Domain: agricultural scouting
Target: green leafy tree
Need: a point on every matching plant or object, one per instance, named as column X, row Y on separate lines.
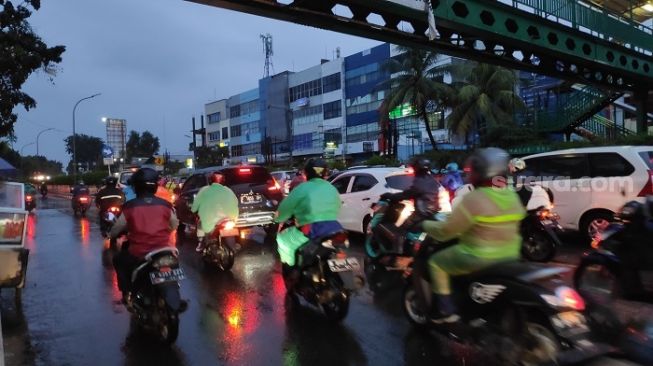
column 21, row 53
column 89, row 150
column 485, row 99
column 10, row 155
column 141, row 145
column 210, row 155
column 31, row 165
column 417, row 82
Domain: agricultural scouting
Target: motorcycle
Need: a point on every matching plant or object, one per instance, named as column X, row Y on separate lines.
column 108, row 218
column 219, row 246
column 44, row 190
column 388, row 247
column 321, row 276
column 539, row 232
column 519, row 310
column 156, row 302
column 30, row 202
column 602, row 274
column 81, row 204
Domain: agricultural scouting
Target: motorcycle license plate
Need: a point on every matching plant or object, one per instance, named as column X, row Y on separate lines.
column 248, row 199
column 547, row 222
column 570, row 321
column 229, row 232
column 167, row 274
column 344, row 265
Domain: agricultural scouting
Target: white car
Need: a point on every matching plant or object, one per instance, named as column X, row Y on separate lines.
column 360, row 188
column 590, row 185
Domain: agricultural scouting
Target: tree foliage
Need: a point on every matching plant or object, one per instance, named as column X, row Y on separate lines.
column 416, row 82
column 89, row 149
column 485, row 98
column 10, row 155
column 30, row 165
column 21, row 53
column 210, row 155
column 141, row 145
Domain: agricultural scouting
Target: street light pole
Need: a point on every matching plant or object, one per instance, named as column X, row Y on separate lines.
column 37, row 139
column 75, row 135
column 24, row 146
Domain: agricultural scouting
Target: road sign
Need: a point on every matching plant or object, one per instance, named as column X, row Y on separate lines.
column 159, row 160
column 107, row 151
column 108, row 161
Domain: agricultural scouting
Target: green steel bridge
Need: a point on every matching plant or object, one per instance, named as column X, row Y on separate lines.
column 581, row 41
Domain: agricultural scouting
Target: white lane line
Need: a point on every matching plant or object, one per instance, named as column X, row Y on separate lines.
column 2, row 347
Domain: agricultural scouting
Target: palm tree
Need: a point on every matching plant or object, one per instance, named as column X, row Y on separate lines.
column 484, row 99
column 415, row 82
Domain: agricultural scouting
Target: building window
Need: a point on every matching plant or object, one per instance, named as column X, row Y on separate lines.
column 306, row 116
column 237, row 150
column 365, row 103
column 309, row 89
column 225, row 133
column 234, row 111
column 251, row 149
column 249, row 128
column 213, row 117
column 332, row 109
column 214, row 136
column 364, row 74
column 368, row 132
column 331, row 83
column 305, row 141
column 249, row 107
column 235, row 131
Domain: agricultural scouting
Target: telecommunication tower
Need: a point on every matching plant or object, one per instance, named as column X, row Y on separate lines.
column 267, row 50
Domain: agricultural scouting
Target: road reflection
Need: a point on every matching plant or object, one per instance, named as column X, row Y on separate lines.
column 84, row 230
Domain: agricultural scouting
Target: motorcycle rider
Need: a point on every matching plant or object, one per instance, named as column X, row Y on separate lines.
column 315, row 205
column 486, row 222
column 109, row 196
column 452, row 179
column 212, row 204
column 148, row 221
column 128, row 190
column 162, row 192
column 80, row 189
column 532, row 196
column 43, row 188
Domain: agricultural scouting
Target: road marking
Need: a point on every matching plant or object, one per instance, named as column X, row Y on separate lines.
column 2, row 347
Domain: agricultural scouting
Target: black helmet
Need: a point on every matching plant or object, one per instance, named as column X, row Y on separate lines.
column 145, row 181
column 420, row 165
column 632, row 211
column 485, row 164
column 316, row 168
column 110, row 181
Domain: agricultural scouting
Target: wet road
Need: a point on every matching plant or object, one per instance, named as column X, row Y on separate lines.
column 71, row 313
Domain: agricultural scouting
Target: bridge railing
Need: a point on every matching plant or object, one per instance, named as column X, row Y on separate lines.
column 593, row 20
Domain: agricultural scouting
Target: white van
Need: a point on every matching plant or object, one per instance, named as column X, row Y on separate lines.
column 589, row 185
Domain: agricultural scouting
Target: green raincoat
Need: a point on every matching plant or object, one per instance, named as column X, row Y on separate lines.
column 214, row 203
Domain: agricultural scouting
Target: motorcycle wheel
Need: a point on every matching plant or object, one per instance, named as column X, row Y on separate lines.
column 418, row 317
column 545, row 344
column 336, row 309
column 168, row 326
column 597, row 283
column 538, row 248
column 226, row 260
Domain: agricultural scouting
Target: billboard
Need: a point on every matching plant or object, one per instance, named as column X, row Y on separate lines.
column 117, row 136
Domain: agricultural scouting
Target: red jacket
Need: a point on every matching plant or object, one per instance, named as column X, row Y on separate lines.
column 149, row 222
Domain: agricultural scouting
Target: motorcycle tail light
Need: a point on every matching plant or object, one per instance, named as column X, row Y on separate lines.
column 566, row 297
column 28, row 198
column 166, row 261
column 114, row 209
column 228, row 225
column 596, row 242
column 83, row 199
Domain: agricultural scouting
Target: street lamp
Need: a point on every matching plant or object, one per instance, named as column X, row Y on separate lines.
column 37, row 139
column 24, row 146
column 75, row 135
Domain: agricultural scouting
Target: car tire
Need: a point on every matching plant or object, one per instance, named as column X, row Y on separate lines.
column 592, row 219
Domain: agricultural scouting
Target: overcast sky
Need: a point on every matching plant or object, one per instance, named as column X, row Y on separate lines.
column 156, row 62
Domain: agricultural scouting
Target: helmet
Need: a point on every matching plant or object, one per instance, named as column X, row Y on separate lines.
column 217, row 177
column 485, row 164
column 110, row 181
column 81, row 182
column 316, row 168
column 632, row 211
column 451, row 167
column 516, row 165
column 420, row 165
column 145, row 181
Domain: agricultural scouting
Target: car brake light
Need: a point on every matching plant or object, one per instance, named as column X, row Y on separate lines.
column 648, row 187
column 410, row 171
column 568, row 297
column 273, row 185
column 244, row 171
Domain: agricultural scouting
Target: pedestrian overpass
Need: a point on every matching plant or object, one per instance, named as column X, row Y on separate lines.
column 579, row 41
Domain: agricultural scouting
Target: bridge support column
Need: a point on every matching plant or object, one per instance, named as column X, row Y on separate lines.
column 641, row 102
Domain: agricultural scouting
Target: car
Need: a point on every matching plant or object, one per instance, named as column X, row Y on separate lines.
column 258, row 195
column 361, row 187
column 123, row 177
column 284, row 177
column 590, row 184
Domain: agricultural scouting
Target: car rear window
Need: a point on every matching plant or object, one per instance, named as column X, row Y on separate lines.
column 400, row 182
column 647, row 156
column 246, row 175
